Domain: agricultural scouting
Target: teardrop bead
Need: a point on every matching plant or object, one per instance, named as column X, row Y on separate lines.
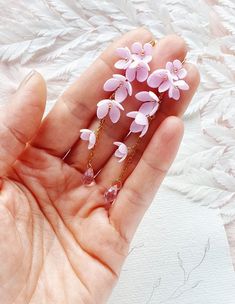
column 111, row 194
column 88, row 176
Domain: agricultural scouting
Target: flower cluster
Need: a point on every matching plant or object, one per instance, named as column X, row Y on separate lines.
column 135, row 61
column 121, row 88
column 150, row 104
column 169, row 79
column 136, row 64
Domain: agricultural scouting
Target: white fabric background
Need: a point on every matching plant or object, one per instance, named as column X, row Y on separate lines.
column 60, row 38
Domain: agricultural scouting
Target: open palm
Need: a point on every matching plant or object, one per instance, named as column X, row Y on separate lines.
column 58, row 241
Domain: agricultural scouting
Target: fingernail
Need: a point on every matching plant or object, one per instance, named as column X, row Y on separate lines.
column 26, row 79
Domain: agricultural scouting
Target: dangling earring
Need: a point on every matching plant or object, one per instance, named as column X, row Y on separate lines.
column 169, row 79
column 135, row 63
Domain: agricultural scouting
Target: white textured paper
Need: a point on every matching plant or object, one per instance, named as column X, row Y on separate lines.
column 179, row 256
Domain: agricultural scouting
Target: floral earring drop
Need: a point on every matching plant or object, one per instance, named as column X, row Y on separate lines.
column 169, row 79
column 112, row 108
column 135, row 63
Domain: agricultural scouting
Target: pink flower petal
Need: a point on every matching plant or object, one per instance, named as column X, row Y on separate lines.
column 181, row 84
column 136, row 47
column 174, row 93
column 182, row 73
column 103, row 101
column 135, row 63
column 155, row 109
column 92, row 141
column 147, row 58
column 132, row 114
column 128, row 86
column 122, row 64
column 111, row 85
column 144, row 131
column 123, row 52
column 102, row 110
column 155, row 79
column 148, row 49
column 169, row 66
column 153, row 96
column 164, row 86
column 121, row 94
column 136, row 58
column 117, row 104
column 146, row 108
column 123, row 149
column 141, row 119
column 135, row 128
column 85, row 134
column 142, row 73
column 117, row 143
column 114, row 114
column 118, row 154
column 177, row 64
column 130, row 74
column 119, row 77
column 143, row 96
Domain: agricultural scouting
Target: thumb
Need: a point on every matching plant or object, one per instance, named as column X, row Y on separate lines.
column 20, row 119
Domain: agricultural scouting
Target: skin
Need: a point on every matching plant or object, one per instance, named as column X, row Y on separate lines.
column 58, row 242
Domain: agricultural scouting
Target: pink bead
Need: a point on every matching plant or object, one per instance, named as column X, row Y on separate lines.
column 88, row 176
column 111, row 194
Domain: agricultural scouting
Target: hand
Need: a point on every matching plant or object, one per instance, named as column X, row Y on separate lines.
column 58, row 243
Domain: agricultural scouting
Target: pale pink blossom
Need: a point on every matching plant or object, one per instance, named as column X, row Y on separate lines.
column 150, row 102
column 176, row 69
column 160, row 79
column 174, row 90
column 126, row 58
column 140, row 123
column 138, row 53
column 139, row 70
column 120, row 85
column 122, row 151
column 90, row 136
column 143, row 53
column 109, row 107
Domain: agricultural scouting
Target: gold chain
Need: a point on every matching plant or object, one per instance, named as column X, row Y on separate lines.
column 129, row 159
column 97, row 133
column 153, row 42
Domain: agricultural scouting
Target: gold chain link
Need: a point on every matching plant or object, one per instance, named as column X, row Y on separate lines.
column 97, row 133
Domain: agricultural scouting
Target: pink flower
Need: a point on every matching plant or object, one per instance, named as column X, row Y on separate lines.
column 140, row 52
column 139, row 70
column 90, row 136
column 126, row 58
column 140, row 124
column 111, row 107
column 160, row 79
column 150, row 102
column 122, row 151
column 120, row 85
column 176, row 69
column 174, row 91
